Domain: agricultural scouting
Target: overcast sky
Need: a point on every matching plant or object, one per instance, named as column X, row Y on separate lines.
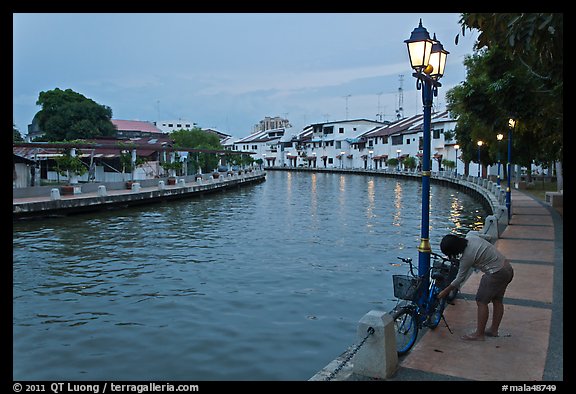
column 229, row 70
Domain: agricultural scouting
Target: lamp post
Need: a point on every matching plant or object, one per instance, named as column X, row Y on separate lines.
column 398, row 151
column 370, row 152
column 456, row 147
column 342, row 159
column 511, row 125
column 479, row 163
column 428, row 60
column 499, row 137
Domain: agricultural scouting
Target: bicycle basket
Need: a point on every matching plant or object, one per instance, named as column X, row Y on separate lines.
column 405, row 287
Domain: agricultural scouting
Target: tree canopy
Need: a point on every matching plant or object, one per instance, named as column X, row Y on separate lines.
column 515, row 72
column 198, row 139
column 67, row 115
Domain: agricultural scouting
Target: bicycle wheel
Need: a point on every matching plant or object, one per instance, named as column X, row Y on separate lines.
column 406, row 327
column 437, row 307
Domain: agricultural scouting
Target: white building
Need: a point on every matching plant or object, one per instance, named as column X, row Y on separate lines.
column 264, row 143
column 168, row 126
column 336, row 144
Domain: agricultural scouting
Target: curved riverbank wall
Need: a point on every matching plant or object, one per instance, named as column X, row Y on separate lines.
column 45, row 201
column 375, row 356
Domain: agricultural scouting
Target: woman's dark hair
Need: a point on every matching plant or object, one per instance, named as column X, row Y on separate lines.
column 453, row 245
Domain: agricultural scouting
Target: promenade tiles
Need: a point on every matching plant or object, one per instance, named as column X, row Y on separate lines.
column 523, row 286
column 519, row 354
column 526, row 249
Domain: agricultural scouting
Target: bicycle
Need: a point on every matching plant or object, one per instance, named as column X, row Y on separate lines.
column 419, row 311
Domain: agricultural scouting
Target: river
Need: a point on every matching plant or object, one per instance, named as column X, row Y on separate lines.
column 265, row 282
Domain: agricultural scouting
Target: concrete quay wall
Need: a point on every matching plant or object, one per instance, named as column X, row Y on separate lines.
column 93, row 197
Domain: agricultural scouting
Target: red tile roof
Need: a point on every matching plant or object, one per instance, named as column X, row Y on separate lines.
column 136, row 125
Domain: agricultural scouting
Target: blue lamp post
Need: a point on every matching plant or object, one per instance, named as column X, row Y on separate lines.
column 428, row 60
column 511, row 125
column 479, row 164
column 499, row 137
column 456, row 147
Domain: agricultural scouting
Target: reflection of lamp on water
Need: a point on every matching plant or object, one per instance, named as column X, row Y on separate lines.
column 428, row 60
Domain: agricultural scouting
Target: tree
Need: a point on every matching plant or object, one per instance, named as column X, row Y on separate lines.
column 67, row 115
column 520, row 58
column 68, row 165
column 16, row 136
column 199, row 139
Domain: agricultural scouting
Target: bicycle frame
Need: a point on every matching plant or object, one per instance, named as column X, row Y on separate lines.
column 426, row 309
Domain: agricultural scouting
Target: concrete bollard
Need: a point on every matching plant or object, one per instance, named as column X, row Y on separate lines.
column 136, row 187
column 199, row 180
column 377, row 358
column 102, row 191
column 55, row 194
column 182, row 182
column 490, row 229
column 161, row 185
column 502, row 215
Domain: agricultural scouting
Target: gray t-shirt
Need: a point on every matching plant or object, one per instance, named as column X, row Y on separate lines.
column 479, row 254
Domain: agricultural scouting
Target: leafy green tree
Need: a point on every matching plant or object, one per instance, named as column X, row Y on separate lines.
column 517, row 72
column 199, row 139
column 16, row 136
column 195, row 138
column 67, row 115
column 68, row 165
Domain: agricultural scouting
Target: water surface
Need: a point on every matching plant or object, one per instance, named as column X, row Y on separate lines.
column 265, row 282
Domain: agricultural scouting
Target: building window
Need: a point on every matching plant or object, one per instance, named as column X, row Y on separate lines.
column 436, row 133
column 407, row 141
column 338, row 144
column 329, row 130
column 396, row 140
column 341, row 130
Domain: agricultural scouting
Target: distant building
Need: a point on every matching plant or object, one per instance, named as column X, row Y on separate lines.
column 168, row 126
column 269, row 123
column 135, row 128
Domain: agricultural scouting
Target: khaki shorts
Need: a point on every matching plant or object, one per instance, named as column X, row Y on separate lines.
column 493, row 286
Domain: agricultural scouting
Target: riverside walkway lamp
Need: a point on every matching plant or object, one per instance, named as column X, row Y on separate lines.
column 511, row 125
column 479, row 164
column 499, row 137
column 456, row 147
column 428, row 60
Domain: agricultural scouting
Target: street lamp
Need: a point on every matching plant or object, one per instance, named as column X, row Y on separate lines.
column 398, row 159
column 511, row 125
column 428, row 60
column 456, row 147
column 479, row 164
column 370, row 152
column 499, row 137
column 342, row 159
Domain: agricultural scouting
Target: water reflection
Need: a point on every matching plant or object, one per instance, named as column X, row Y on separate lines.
column 230, row 286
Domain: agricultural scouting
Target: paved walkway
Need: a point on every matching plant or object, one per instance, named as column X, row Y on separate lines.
column 530, row 345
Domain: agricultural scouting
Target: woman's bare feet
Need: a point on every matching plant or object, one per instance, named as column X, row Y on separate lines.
column 473, row 337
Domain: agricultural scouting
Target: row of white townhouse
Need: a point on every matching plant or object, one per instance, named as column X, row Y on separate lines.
column 358, row 143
